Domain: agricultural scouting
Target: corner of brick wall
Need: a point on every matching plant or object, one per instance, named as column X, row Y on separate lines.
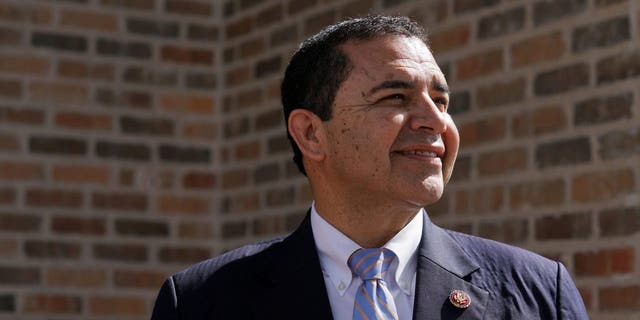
column 137, row 137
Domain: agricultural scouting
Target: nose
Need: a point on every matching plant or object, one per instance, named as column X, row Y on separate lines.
column 427, row 116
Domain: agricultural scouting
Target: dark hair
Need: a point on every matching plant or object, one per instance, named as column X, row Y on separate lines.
column 318, row 67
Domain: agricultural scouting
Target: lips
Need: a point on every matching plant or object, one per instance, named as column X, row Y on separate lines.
column 418, row 153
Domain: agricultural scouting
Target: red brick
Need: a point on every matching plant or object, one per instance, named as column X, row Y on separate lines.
column 482, row 131
column 23, row 275
column 130, row 4
column 183, row 204
column 200, row 130
column 502, row 161
column 81, row 173
column 188, row 7
column 183, row 255
column 88, row 20
column 10, row 89
column 9, row 142
column 7, row 195
column 241, row 203
column 482, row 200
column 35, row 14
column 38, row 197
column 81, row 277
column 318, row 21
column 8, row 248
column 199, row 180
column 543, row 120
column 252, row 47
column 501, row 93
column 247, row 151
column 587, row 297
column 77, row 225
column 508, row 230
column 121, row 305
column 20, row 222
column 59, row 93
column 602, row 185
column 120, row 201
column 82, row 70
column 235, row 178
column 269, row 225
column 249, row 98
column 84, row 121
column 535, row 194
column 450, row 39
column 620, row 298
column 239, row 28
column 24, row 64
column 41, row 303
column 547, row 47
column 563, row 227
column 195, row 230
column 237, row 76
column 183, row 103
column 187, row 55
column 132, row 253
column 52, row 249
column 22, row 116
column 300, row 5
column 138, row 279
column 604, row 262
column 479, row 64
column 10, row 170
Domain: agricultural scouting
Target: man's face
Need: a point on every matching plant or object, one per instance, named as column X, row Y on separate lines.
column 390, row 137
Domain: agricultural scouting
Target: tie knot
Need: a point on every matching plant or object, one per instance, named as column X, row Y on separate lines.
column 371, row 263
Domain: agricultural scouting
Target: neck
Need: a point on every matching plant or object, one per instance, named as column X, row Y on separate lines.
column 368, row 223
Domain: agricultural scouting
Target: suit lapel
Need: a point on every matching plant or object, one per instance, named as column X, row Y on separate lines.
column 293, row 282
column 442, row 267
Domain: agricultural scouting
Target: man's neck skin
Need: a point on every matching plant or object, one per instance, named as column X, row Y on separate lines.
column 366, row 221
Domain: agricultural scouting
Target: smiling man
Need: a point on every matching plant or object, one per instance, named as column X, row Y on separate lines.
column 366, row 110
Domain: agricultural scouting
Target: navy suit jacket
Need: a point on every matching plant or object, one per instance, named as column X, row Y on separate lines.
column 282, row 279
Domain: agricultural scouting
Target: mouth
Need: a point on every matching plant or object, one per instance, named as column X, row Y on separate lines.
column 429, row 154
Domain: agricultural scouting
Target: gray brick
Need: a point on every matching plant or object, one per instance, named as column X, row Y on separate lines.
column 603, row 109
column 10, row 36
column 268, row 66
column 460, row 102
column 58, row 41
column 147, row 76
column 141, row 228
column 172, row 153
column 620, row 66
column 601, row 34
column 236, row 127
column 284, row 35
column 619, row 222
column 200, row 80
column 57, row 145
column 268, row 172
column 7, row 302
column 110, row 47
column 203, row 32
column 10, row 275
column 545, row 11
column 561, row 80
column 123, row 150
column 152, row 126
column 563, row 152
column 619, row 144
column 502, row 23
column 149, row 27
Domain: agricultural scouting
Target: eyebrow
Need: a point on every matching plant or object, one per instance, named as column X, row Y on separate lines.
column 401, row 84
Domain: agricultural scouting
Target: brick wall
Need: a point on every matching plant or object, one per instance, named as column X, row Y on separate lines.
column 140, row 136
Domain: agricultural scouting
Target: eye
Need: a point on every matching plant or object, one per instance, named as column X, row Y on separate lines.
column 441, row 102
column 395, row 98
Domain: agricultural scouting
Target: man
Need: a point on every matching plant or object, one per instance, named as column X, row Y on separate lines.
column 366, row 109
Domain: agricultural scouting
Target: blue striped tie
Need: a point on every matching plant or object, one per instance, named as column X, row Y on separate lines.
column 373, row 299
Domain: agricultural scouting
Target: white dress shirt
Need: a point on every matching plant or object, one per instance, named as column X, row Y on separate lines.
column 334, row 249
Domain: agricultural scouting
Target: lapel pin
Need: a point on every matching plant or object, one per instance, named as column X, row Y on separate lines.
column 460, row 299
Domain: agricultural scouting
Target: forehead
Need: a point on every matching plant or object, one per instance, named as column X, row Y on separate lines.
column 392, row 56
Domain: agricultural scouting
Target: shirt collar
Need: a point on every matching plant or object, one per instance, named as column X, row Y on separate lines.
column 335, row 248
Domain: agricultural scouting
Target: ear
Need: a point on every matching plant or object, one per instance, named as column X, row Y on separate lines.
column 305, row 128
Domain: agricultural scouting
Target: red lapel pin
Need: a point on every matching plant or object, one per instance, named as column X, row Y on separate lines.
column 460, row 299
